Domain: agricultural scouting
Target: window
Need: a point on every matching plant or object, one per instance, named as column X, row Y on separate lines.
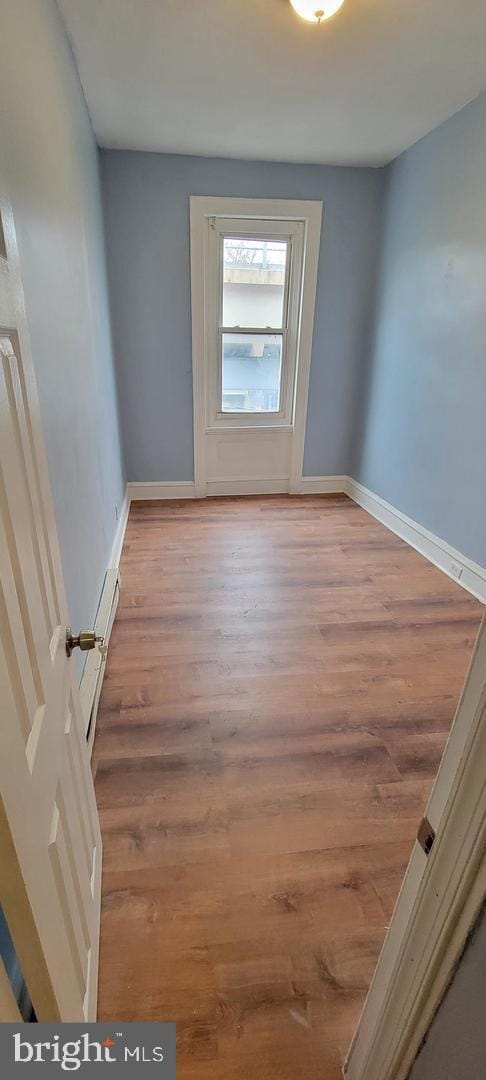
column 255, row 268
column 253, row 288
column 254, row 295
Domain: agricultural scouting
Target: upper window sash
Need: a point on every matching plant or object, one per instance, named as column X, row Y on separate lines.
column 277, row 328
column 252, row 230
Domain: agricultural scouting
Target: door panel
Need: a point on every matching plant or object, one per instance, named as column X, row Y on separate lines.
column 50, row 876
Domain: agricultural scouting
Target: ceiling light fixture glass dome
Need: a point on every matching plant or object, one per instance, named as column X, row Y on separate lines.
column 316, row 11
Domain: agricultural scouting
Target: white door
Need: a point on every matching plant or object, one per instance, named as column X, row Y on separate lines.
column 254, row 272
column 441, row 894
column 50, row 844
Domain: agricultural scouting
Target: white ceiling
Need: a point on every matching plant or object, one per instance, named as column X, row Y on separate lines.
column 248, row 78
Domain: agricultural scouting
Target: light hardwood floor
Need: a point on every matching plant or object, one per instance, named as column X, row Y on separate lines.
column 282, row 676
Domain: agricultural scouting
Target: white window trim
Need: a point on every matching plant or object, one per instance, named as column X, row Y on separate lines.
column 202, row 208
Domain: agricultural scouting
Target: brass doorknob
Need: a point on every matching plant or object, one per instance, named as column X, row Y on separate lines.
column 85, row 640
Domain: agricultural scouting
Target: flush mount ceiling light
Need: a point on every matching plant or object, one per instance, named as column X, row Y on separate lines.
column 315, row 11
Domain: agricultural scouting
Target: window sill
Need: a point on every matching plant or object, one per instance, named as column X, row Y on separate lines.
column 224, row 425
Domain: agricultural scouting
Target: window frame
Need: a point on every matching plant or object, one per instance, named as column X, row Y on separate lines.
column 219, row 227
column 311, row 213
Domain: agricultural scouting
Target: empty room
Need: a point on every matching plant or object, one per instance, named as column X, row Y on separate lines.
column 243, row 537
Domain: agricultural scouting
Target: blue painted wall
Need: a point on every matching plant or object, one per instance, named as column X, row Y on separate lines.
column 146, row 200
column 455, row 1045
column 422, row 444
column 49, row 163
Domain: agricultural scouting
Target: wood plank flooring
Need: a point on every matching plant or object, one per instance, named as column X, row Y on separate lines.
column 282, row 676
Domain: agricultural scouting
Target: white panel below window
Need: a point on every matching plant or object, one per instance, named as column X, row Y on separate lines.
column 244, row 454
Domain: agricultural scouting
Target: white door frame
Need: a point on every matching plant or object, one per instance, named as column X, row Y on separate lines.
column 310, row 213
column 439, row 901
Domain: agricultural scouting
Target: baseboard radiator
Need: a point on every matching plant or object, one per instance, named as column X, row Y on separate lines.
column 94, row 668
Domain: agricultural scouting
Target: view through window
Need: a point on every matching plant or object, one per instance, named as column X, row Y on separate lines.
column 253, row 324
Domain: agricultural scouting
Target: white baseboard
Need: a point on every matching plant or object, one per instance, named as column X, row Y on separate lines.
column 168, row 489
column 120, row 533
column 94, row 668
column 457, row 566
column 323, row 485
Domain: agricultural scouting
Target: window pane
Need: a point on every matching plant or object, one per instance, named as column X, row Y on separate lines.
column 253, row 282
column 251, row 367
